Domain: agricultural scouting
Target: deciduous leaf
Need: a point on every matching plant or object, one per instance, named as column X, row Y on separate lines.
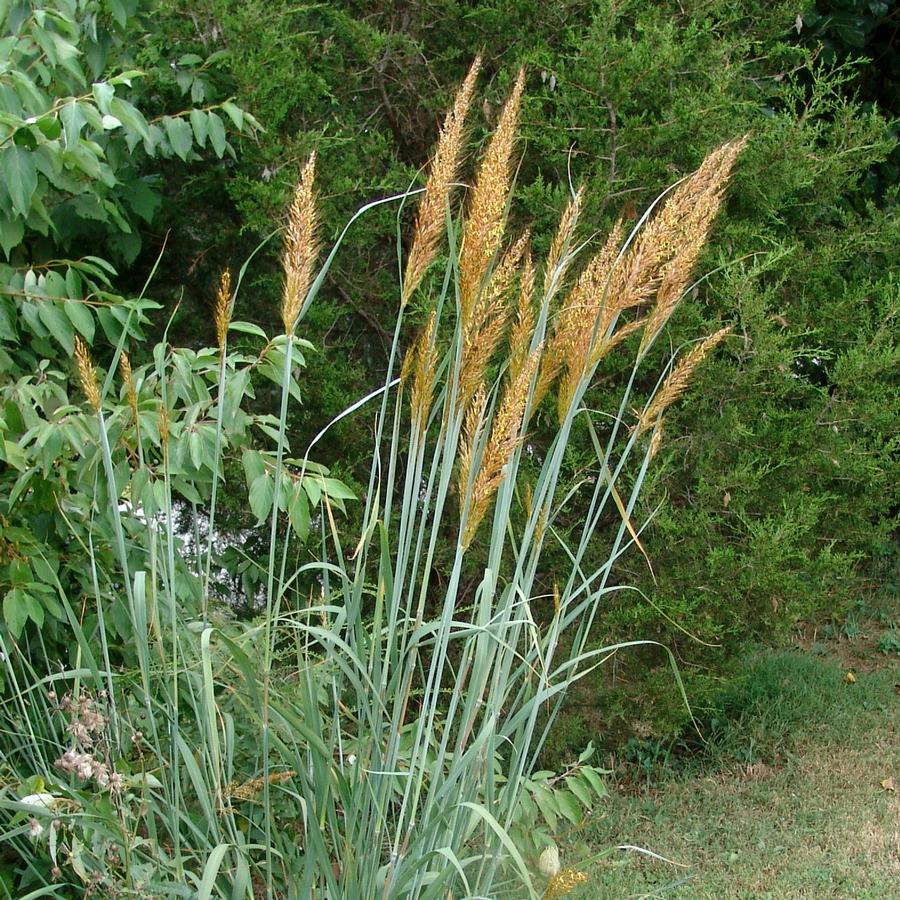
column 180, row 135
column 217, row 134
column 20, row 174
column 262, row 493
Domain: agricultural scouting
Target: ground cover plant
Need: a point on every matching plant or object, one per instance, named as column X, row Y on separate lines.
column 373, row 731
column 794, row 796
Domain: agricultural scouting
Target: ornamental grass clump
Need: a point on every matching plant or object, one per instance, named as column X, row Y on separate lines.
column 375, row 732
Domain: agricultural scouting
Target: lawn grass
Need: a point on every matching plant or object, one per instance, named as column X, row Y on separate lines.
column 792, row 797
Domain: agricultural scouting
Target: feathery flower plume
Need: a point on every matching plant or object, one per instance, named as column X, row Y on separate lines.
column 577, row 332
column 423, row 366
column 559, row 259
column 677, row 381
column 87, row 374
column 128, row 378
column 523, row 329
column 431, row 217
column 300, row 247
column 676, row 236
column 656, row 440
column 471, row 428
column 504, row 438
column 484, row 222
column 222, row 312
column 483, row 329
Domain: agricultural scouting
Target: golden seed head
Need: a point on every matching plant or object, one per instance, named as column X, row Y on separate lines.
column 128, row 378
column 663, row 258
column 677, row 381
column 472, row 425
column 484, row 328
column 252, row 788
column 164, row 427
column 487, row 208
column 564, row 883
column 504, row 439
column 584, row 323
column 423, row 367
column 431, row 217
column 222, row 312
column 300, row 247
column 559, row 258
column 523, row 329
column 87, row 374
column 656, row 440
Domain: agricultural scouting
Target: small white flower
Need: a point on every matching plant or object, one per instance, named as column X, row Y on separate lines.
column 35, row 829
column 351, row 759
column 549, row 861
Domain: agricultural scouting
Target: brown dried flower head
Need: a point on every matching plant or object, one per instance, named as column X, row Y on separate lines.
column 300, row 247
column 431, row 217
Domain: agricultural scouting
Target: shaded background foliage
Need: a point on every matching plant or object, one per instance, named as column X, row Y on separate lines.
column 776, row 485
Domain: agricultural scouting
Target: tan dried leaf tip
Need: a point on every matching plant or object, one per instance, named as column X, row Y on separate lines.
column 300, row 246
column 431, row 218
column 222, row 312
column 87, row 374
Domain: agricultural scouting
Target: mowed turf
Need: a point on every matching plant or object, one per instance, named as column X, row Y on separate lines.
column 797, row 795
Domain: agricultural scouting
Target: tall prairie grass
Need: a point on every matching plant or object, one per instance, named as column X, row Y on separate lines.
column 375, row 732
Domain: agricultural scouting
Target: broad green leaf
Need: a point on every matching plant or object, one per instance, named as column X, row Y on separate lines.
column 235, row 113
column 580, row 789
column 569, row 806
column 180, row 136
column 80, row 316
column 103, row 93
column 200, row 124
column 58, row 324
column 262, row 493
column 11, row 233
column 254, row 466
column 595, row 781
column 217, row 134
column 298, row 512
column 15, row 611
column 544, row 798
column 248, row 328
column 20, row 174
